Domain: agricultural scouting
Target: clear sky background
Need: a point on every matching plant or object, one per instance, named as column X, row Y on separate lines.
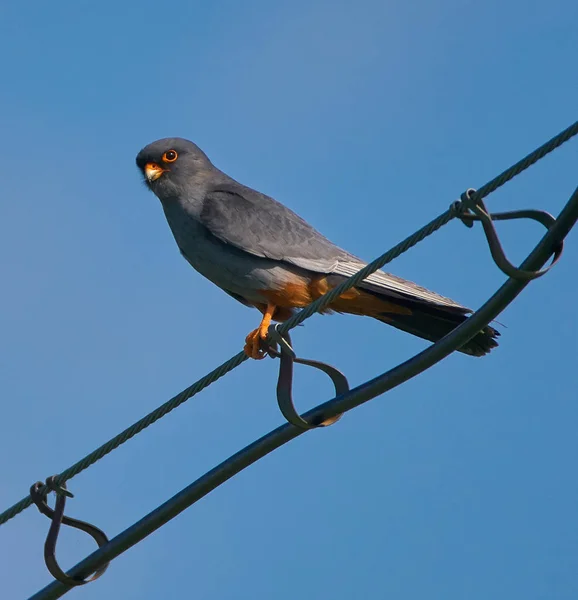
column 368, row 119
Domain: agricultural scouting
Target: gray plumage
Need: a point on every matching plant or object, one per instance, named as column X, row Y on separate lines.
column 244, row 242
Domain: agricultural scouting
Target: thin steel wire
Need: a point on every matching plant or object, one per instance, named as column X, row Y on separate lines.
column 347, row 401
column 301, row 316
column 424, row 232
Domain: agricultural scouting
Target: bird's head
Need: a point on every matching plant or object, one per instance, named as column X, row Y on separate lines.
column 169, row 164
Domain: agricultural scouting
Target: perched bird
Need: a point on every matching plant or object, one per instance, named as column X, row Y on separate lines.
column 264, row 255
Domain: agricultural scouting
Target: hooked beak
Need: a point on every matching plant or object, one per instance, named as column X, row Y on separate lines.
column 153, row 172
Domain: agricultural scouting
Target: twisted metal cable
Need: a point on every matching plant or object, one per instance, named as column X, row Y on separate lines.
column 454, row 211
column 131, row 431
column 528, row 161
column 372, row 267
column 343, row 402
column 229, row 365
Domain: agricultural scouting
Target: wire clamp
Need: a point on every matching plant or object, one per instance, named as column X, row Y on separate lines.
column 287, row 358
column 471, row 208
column 38, row 493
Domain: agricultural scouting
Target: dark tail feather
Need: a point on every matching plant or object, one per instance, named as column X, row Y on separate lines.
column 433, row 323
column 425, row 319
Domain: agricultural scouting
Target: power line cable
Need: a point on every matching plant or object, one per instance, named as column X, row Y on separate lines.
column 456, row 210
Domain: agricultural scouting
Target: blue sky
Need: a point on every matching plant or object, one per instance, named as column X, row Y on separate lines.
column 368, row 119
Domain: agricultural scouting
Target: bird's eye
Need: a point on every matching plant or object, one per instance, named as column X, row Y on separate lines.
column 170, row 156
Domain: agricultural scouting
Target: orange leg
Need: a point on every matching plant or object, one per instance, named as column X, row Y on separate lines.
column 252, row 341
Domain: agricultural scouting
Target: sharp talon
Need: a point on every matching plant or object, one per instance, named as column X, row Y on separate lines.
column 253, row 345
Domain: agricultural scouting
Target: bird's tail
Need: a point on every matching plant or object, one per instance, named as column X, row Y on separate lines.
column 426, row 320
column 433, row 327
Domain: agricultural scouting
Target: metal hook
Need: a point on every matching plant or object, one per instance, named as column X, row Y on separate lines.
column 478, row 212
column 37, row 494
column 285, row 381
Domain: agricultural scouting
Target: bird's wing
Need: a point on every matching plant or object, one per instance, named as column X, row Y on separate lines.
column 259, row 225
column 392, row 286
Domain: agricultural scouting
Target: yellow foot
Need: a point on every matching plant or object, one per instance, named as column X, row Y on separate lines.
column 253, row 344
column 253, row 340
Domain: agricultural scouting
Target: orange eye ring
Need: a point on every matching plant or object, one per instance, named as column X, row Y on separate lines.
column 170, row 156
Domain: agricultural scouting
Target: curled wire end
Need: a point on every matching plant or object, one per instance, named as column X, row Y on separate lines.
column 471, row 209
column 460, row 208
column 38, row 493
column 287, row 357
column 283, row 342
column 52, row 485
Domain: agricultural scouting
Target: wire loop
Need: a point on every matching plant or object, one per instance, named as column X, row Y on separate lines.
column 472, row 208
column 51, row 485
column 56, row 515
column 457, row 210
column 287, row 357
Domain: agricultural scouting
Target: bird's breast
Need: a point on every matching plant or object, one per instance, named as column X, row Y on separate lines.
column 230, row 268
